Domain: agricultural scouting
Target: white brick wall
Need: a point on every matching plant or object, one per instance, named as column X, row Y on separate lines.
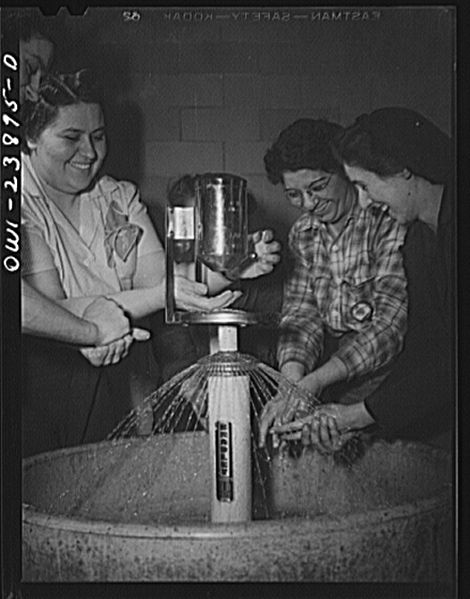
column 213, row 95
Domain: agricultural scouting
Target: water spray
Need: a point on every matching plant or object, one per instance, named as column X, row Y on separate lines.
column 141, row 509
column 210, row 230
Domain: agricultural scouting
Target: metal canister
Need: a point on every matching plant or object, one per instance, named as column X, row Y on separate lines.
column 222, row 209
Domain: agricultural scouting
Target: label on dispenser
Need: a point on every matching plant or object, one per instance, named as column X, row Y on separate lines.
column 183, row 222
column 224, row 460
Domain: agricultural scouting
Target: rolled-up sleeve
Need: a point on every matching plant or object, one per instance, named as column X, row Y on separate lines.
column 36, row 255
column 138, row 215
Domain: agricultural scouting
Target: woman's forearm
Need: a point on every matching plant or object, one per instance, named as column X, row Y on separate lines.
column 141, row 302
column 294, row 371
column 44, row 317
column 137, row 303
column 332, row 371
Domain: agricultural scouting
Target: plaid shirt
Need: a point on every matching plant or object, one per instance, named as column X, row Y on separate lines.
column 354, row 285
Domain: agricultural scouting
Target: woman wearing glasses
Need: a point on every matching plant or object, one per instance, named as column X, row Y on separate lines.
column 345, row 301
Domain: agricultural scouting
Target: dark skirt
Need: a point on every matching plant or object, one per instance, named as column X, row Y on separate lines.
column 66, row 400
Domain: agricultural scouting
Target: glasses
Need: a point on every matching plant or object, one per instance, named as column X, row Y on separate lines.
column 296, row 196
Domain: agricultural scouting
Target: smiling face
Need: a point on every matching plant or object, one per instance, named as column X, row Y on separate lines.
column 35, row 59
column 328, row 196
column 394, row 191
column 70, row 151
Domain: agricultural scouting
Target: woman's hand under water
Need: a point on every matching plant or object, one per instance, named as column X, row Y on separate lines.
column 320, row 430
column 192, row 296
column 281, row 410
column 328, row 428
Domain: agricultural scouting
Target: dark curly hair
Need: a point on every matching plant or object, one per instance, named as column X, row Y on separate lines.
column 306, row 143
column 391, row 139
column 55, row 91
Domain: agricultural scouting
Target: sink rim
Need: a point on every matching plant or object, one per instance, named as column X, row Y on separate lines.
column 321, row 524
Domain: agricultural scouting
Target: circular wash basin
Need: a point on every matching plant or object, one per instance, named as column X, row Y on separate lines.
column 138, row 510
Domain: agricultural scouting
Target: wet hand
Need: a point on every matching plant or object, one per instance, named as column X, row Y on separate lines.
column 273, row 414
column 192, row 296
column 326, row 429
column 267, row 251
column 280, row 411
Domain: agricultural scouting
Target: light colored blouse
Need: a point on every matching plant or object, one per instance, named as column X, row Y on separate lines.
column 98, row 257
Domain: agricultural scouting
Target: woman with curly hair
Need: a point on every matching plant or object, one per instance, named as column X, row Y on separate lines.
column 345, row 302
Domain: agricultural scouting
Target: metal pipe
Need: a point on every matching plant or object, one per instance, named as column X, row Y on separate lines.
column 229, row 430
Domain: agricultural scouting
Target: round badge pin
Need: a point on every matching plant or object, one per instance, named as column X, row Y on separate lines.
column 362, row 311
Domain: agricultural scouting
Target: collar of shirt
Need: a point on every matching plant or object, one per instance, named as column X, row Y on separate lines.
column 97, row 196
column 105, row 185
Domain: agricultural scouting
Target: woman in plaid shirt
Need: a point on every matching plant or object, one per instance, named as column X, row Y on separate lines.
column 345, row 301
column 401, row 160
